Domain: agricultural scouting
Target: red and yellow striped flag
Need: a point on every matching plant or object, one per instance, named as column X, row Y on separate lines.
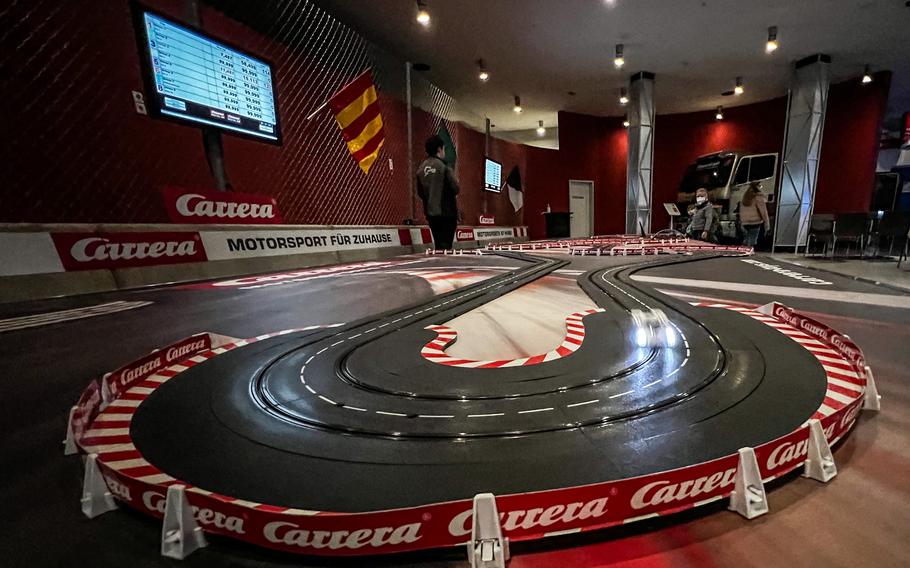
column 356, row 109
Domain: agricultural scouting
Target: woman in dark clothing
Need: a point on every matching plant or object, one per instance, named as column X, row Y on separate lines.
column 703, row 219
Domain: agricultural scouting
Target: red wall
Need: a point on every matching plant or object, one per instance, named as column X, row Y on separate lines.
column 680, row 138
column 846, row 173
column 81, row 154
column 594, row 148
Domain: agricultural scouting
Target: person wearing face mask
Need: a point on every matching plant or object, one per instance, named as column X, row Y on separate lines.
column 703, row 219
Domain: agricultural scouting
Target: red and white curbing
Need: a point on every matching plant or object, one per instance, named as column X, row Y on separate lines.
column 575, row 334
column 129, row 478
column 845, row 383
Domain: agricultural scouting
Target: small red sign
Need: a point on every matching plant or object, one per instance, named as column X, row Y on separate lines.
column 220, row 207
column 93, row 251
column 487, row 220
column 464, row 234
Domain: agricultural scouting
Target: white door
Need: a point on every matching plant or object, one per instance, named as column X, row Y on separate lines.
column 581, row 197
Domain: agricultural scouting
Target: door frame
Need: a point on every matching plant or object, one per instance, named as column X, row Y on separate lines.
column 590, row 183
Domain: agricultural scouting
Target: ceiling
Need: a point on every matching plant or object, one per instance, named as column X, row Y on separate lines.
column 542, row 49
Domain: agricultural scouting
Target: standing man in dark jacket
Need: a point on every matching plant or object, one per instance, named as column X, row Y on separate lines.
column 437, row 188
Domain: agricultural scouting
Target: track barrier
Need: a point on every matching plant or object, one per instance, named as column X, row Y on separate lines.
column 116, row 472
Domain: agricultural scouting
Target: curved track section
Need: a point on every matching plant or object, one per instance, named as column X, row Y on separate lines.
column 360, row 402
column 355, row 420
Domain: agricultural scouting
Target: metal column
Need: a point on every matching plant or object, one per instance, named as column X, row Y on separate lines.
column 640, row 153
column 412, row 190
column 802, row 150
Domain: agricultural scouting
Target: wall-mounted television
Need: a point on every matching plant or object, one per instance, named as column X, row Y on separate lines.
column 492, row 175
column 192, row 78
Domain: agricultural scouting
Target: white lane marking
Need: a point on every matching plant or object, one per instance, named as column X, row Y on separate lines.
column 48, row 318
column 371, row 330
column 337, row 343
column 653, row 383
column 622, row 394
column 436, row 416
column 383, row 412
column 535, row 410
column 308, row 360
column 328, row 400
column 886, row 300
column 355, row 336
column 354, row 408
column 486, row 415
column 309, row 388
column 321, row 351
column 583, row 403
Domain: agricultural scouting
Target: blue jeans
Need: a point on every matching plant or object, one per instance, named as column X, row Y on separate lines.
column 750, row 234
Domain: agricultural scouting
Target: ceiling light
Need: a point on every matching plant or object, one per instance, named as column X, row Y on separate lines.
column 625, row 122
column 772, row 44
column 738, row 89
column 517, row 107
column 623, row 96
column 720, row 113
column 423, row 16
column 618, row 60
column 482, row 72
column 867, row 75
column 540, row 129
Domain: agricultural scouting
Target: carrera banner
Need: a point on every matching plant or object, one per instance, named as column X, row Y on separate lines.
column 117, row 382
column 841, row 342
column 486, row 219
column 220, row 207
column 92, row 251
column 494, row 233
column 464, row 234
column 221, row 245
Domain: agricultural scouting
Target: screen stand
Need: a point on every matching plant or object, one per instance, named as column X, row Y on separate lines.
column 214, row 155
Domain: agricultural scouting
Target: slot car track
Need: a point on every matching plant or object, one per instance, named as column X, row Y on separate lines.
column 354, row 418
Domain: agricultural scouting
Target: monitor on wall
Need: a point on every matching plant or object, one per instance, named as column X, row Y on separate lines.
column 492, row 177
column 200, row 81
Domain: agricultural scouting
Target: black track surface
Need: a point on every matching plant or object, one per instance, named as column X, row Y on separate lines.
column 373, row 425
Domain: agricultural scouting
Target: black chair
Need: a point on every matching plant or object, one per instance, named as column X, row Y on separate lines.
column 851, row 228
column 893, row 228
column 821, row 229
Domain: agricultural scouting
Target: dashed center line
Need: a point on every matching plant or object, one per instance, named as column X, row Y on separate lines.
column 583, row 403
column 535, row 410
column 486, row 415
column 384, row 413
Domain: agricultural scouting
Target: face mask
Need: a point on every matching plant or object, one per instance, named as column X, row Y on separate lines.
column 700, row 199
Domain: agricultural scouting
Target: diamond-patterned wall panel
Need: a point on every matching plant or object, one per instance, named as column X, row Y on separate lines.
column 76, row 151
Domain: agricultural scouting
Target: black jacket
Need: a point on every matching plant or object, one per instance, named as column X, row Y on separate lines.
column 437, row 188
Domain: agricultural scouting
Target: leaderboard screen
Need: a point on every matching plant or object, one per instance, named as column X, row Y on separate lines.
column 196, row 79
column 492, row 177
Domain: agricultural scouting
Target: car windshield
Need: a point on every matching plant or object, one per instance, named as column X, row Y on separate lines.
column 708, row 172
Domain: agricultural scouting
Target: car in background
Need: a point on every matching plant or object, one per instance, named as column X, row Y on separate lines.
column 726, row 175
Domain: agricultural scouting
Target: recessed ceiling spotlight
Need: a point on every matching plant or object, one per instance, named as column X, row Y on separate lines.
column 719, row 115
column 738, row 89
column 517, row 107
column 540, row 129
column 867, row 75
column 772, row 44
column 623, row 96
column 482, row 72
column 423, row 15
column 625, row 122
column 618, row 59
